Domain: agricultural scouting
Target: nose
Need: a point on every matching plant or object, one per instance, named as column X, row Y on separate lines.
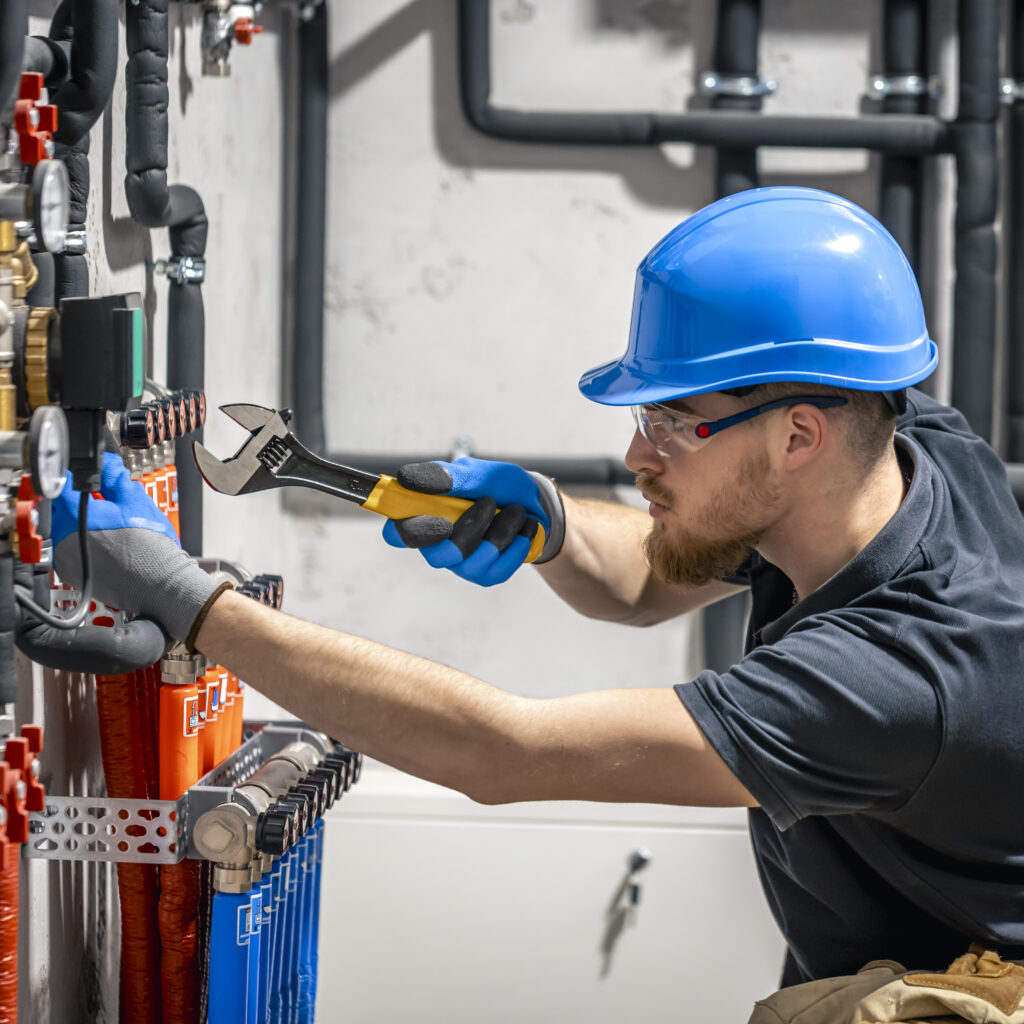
column 643, row 456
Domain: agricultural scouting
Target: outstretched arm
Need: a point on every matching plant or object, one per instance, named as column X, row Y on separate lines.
column 445, row 726
column 601, row 572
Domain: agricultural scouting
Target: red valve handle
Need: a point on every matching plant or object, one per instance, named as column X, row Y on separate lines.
column 34, row 122
column 246, row 29
column 30, row 544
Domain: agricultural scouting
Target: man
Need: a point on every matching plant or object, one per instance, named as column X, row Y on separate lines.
column 873, row 727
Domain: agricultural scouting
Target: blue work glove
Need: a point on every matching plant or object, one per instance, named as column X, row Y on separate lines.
column 482, row 545
column 138, row 564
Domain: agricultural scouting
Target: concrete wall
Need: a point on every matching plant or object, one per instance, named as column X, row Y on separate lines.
column 469, row 283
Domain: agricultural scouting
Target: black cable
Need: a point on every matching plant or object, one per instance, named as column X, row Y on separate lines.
column 85, row 600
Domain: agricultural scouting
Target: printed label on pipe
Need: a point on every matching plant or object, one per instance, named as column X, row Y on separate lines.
column 244, row 925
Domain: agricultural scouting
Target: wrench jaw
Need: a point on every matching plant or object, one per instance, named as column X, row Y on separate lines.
column 243, row 473
column 240, row 474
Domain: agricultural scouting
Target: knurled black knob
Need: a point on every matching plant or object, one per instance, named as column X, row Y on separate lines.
column 297, row 806
column 317, row 792
column 199, row 398
column 138, row 429
column 344, row 770
column 276, row 584
column 160, row 419
column 329, row 780
column 273, row 832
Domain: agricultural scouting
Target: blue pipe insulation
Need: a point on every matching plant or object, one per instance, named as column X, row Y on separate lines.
column 230, row 928
column 266, row 942
column 290, row 962
column 281, row 915
column 318, row 833
column 303, row 978
column 255, row 947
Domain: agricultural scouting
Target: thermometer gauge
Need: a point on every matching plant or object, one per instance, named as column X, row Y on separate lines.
column 48, row 450
column 51, row 204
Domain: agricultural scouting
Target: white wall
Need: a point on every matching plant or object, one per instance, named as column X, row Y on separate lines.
column 469, row 283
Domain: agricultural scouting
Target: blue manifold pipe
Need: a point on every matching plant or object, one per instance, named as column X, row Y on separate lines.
column 319, row 834
column 266, row 943
column 230, row 933
column 283, row 914
column 304, row 967
column 255, row 943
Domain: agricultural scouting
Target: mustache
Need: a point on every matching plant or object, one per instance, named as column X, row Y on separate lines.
column 651, row 487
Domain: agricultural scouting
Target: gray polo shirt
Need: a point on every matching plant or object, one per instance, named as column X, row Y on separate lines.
column 879, row 723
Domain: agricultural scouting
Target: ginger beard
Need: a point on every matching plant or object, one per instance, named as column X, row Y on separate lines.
column 727, row 527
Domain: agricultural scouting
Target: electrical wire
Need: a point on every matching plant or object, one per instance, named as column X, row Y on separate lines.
column 85, row 601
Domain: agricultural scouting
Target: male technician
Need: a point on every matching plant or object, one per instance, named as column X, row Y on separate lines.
column 874, row 727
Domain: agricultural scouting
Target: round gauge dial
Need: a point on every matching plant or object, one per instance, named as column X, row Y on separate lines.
column 51, row 204
column 48, row 450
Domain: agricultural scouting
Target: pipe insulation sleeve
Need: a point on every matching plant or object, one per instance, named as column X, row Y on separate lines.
column 731, row 129
column 9, row 937
column 179, row 208
column 13, row 29
column 737, row 32
column 8, row 621
column 124, row 732
column 310, row 230
column 974, row 296
column 82, row 98
column 1015, row 349
column 49, row 58
column 904, row 34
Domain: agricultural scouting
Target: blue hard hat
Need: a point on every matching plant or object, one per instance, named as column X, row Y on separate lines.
column 773, row 284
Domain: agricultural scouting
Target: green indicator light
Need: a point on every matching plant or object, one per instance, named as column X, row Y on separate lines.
column 137, row 367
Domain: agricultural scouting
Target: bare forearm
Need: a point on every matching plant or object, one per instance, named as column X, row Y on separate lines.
column 601, row 571
column 417, row 715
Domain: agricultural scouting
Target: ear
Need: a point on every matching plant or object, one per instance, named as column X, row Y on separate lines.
column 806, row 431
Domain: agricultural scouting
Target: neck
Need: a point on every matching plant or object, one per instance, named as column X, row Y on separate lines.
column 827, row 527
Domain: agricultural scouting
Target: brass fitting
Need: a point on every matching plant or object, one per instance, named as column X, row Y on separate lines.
column 16, row 257
column 37, row 374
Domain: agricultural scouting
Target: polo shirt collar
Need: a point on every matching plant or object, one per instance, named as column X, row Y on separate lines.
column 881, row 560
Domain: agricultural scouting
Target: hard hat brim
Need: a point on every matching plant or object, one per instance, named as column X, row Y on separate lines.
column 624, row 382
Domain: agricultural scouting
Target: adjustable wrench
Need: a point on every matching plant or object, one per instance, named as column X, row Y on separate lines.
column 274, row 457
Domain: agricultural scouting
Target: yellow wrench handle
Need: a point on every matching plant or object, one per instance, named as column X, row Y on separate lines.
column 389, row 498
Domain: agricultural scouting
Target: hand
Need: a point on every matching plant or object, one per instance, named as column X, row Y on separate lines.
column 137, row 563
column 483, row 545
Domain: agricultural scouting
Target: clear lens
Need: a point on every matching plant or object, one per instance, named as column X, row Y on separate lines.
column 669, row 431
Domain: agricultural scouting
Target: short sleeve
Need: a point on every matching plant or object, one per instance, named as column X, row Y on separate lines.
column 833, row 718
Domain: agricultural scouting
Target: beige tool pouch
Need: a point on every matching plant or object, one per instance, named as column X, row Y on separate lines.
column 978, row 987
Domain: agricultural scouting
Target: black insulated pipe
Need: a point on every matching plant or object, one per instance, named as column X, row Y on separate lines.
column 310, row 231
column 180, row 209
column 892, row 133
column 49, row 58
column 737, row 34
column 977, row 196
column 13, row 29
column 904, row 34
column 738, row 29
column 105, row 650
column 8, row 620
column 1015, row 270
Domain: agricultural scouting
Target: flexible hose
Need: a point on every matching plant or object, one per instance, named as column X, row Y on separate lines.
column 9, row 937
column 179, row 939
column 122, row 740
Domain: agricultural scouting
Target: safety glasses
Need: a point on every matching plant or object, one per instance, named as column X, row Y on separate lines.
column 671, row 431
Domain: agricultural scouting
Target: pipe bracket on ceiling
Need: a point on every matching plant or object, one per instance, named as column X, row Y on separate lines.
column 882, row 86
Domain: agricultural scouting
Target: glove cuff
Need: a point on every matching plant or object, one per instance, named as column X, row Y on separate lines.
column 193, row 633
column 551, row 501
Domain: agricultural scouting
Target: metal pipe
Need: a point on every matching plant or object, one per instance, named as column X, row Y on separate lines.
column 975, row 135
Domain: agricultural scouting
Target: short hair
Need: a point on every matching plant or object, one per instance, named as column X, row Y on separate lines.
column 868, row 420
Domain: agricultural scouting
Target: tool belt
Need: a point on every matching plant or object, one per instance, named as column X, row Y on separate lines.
column 977, row 987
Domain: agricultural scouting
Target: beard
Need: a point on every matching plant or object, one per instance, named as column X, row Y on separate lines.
column 693, row 558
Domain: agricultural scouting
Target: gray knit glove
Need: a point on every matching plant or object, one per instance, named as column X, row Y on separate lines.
column 137, row 563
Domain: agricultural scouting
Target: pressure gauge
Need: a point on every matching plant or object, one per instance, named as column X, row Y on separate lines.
column 51, row 204
column 48, row 450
